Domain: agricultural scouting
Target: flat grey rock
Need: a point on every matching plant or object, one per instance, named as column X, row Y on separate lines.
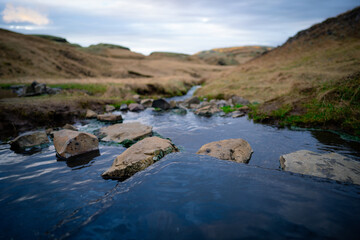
column 329, row 165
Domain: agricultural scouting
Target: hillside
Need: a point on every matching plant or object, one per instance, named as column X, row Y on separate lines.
column 293, row 74
column 231, row 55
column 25, row 57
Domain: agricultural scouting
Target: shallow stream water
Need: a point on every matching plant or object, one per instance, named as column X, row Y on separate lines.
column 183, row 196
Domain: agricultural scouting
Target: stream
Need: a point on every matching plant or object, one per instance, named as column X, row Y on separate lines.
column 184, row 195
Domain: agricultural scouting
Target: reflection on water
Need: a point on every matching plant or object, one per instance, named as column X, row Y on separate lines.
column 183, row 195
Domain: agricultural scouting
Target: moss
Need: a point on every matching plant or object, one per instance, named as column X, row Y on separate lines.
column 118, row 104
column 229, row 109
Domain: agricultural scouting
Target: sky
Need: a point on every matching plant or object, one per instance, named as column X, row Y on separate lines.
column 186, row 26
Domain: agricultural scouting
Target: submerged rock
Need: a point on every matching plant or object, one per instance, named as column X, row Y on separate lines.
column 138, row 157
column 70, row 143
column 90, row 114
column 136, row 107
column 124, row 131
column 69, row 127
column 237, row 150
column 109, row 108
column 329, row 165
column 29, row 139
column 109, row 118
column 161, row 103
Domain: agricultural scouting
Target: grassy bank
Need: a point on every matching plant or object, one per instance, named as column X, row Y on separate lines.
column 332, row 105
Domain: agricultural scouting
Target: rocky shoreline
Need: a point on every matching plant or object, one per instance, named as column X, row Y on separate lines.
column 144, row 149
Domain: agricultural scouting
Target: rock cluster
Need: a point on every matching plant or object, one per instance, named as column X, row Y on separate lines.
column 35, row 89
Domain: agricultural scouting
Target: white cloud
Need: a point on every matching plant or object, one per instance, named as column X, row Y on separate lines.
column 21, row 14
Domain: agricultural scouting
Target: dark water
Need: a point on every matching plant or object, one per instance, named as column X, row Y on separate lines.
column 183, row 196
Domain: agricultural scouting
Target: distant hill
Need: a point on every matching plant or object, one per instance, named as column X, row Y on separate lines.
column 44, row 56
column 329, row 50
column 231, row 55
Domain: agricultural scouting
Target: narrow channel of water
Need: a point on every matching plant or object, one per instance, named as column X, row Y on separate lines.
column 184, row 195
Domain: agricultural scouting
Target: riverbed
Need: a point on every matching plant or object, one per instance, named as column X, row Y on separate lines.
column 184, row 195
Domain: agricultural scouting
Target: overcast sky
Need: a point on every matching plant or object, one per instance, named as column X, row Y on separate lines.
column 186, row 26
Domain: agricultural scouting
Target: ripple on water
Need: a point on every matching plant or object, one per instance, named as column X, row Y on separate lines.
column 183, row 195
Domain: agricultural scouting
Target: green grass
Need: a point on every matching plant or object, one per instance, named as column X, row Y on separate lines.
column 335, row 104
column 229, row 109
column 118, row 104
column 90, row 88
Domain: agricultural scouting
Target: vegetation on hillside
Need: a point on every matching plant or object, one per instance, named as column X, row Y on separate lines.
column 311, row 80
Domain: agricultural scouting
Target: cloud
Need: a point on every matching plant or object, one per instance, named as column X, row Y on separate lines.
column 21, row 14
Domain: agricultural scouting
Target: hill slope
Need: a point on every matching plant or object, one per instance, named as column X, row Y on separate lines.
column 293, row 74
column 231, row 55
column 47, row 57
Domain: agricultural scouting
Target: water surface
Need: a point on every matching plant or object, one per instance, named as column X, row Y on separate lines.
column 184, row 195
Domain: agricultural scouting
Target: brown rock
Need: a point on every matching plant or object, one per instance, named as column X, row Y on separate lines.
column 70, row 143
column 109, row 108
column 146, row 102
column 90, row 114
column 207, row 110
column 135, row 107
column 238, row 114
column 29, row 139
column 69, row 127
column 109, row 118
column 173, row 104
column 139, row 156
column 237, row 150
column 125, row 131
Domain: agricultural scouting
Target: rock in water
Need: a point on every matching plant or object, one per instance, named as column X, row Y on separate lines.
column 109, row 108
column 70, row 143
column 90, row 114
column 29, row 139
column 237, row 150
column 192, row 100
column 237, row 114
column 173, row 104
column 69, row 127
column 146, row 102
column 109, row 118
column 136, row 107
column 329, row 165
column 125, row 131
column 208, row 110
column 124, row 107
column 161, row 103
column 138, row 157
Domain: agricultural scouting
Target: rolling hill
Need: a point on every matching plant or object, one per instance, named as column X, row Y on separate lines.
column 26, row 57
column 231, row 55
column 311, row 73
